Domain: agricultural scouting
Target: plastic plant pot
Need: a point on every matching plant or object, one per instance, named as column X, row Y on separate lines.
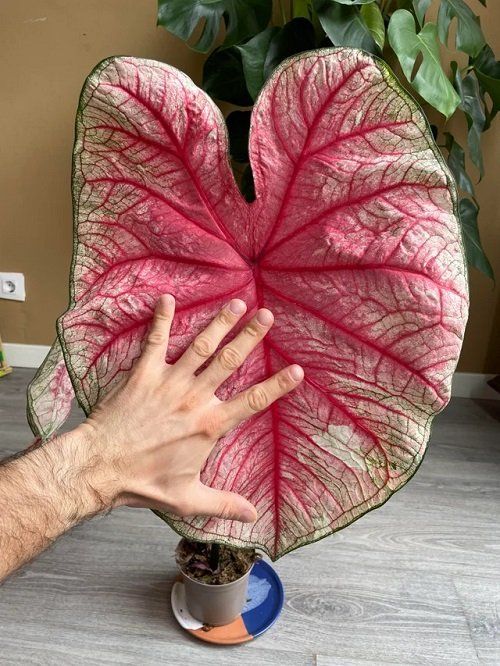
column 216, row 605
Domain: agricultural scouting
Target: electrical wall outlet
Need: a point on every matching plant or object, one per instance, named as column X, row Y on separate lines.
column 12, row 286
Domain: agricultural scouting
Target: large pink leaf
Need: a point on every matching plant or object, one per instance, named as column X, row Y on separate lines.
column 353, row 242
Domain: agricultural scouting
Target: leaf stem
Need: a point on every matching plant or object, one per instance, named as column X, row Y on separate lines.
column 214, row 556
column 385, row 5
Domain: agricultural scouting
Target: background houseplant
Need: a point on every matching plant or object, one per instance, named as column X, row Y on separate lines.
column 399, row 31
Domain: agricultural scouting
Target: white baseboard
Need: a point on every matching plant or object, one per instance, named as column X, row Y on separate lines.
column 24, row 356
column 465, row 384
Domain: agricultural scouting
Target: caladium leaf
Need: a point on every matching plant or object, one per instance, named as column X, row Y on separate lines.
column 353, row 241
column 50, row 395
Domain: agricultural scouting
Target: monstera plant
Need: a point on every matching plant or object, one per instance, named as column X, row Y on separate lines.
column 353, row 241
column 438, row 45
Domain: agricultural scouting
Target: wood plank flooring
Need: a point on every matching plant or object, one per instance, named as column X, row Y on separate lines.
column 415, row 582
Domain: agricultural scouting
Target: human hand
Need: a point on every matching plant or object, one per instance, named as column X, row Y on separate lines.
column 148, row 439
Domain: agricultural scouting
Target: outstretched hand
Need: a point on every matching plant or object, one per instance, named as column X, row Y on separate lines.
column 156, row 429
column 144, row 444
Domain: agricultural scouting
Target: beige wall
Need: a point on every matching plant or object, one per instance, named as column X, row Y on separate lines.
column 481, row 351
column 48, row 47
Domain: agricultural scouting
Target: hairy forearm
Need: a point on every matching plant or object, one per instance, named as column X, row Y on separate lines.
column 43, row 494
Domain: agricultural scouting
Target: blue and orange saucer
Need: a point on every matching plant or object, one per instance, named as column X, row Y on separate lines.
column 262, row 609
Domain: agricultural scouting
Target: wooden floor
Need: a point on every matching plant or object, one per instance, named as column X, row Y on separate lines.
column 415, row 582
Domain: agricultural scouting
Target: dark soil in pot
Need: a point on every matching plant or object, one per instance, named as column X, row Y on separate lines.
column 215, row 580
column 214, row 564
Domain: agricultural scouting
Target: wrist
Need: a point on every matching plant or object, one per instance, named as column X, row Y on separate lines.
column 77, row 469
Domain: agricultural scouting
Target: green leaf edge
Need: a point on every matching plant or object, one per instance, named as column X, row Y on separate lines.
column 31, row 415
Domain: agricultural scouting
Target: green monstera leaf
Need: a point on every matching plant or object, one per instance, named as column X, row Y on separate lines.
column 421, row 7
column 242, row 18
column 261, row 54
column 472, row 106
column 487, row 70
column 223, row 77
column 473, row 248
column 469, row 36
column 344, row 25
column 351, row 2
column 374, row 21
column 430, row 81
column 456, row 162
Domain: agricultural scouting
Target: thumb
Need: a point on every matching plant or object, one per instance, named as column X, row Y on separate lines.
column 224, row 504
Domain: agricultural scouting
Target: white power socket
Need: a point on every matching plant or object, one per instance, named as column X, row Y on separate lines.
column 12, row 286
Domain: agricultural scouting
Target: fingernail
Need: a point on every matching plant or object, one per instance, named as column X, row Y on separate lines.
column 169, row 299
column 247, row 516
column 237, row 306
column 265, row 317
column 296, row 373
